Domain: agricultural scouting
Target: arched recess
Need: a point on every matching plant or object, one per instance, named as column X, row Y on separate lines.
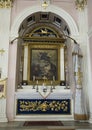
column 13, row 49
column 69, row 20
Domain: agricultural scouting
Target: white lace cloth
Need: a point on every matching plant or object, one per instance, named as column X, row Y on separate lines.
column 32, row 94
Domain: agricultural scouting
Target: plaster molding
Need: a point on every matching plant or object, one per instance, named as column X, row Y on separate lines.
column 59, row 11
column 90, row 119
column 90, row 32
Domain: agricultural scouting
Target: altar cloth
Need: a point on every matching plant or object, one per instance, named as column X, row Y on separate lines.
column 43, row 106
column 32, row 94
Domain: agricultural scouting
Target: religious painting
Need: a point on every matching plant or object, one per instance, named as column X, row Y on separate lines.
column 2, row 88
column 44, row 63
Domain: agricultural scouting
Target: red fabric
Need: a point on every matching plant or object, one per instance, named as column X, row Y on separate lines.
column 43, row 123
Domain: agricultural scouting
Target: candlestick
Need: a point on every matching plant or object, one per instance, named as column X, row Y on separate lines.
column 37, row 86
column 33, row 83
column 0, row 72
column 51, row 89
column 44, row 87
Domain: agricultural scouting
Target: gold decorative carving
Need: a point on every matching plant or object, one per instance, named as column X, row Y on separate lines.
column 45, row 4
column 3, row 88
column 79, row 76
column 2, row 51
column 43, row 31
column 43, row 106
column 6, row 3
column 80, row 4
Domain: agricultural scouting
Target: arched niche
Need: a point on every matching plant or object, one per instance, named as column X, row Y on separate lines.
column 62, row 13
column 42, row 47
column 13, row 48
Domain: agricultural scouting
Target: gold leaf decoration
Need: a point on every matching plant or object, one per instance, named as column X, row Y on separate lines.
column 6, row 3
column 43, row 106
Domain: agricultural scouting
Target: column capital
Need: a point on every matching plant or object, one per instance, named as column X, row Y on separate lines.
column 6, row 3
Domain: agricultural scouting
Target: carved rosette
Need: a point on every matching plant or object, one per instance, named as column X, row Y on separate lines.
column 6, row 3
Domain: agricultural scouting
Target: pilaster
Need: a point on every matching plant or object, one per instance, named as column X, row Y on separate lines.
column 4, row 48
column 3, row 117
column 83, row 41
column 11, row 80
column 90, row 73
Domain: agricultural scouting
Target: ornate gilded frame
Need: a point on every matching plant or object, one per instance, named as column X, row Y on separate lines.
column 43, row 49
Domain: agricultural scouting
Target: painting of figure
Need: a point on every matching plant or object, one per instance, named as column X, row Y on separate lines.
column 44, row 63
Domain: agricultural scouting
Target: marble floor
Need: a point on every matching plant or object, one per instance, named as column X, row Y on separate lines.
column 67, row 124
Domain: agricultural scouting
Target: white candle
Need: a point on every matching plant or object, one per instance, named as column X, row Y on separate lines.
column 33, row 78
column 37, row 81
column 53, row 78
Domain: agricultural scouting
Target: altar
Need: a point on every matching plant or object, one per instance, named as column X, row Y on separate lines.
column 43, row 89
column 32, row 105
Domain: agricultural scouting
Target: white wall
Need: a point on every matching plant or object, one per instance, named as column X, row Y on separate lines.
column 4, row 39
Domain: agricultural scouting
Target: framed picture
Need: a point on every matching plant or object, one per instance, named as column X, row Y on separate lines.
column 2, row 88
column 43, row 63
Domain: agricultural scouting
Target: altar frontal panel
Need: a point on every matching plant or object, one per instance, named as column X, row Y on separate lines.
column 43, row 106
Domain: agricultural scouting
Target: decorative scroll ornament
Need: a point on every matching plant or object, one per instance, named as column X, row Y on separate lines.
column 45, row 3
column 79, row 75
column 43, row 106
column 3, row 83
column 6, row 3
column 80, row 4
column 2, row 51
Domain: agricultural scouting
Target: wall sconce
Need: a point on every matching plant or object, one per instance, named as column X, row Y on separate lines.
column 80, row 4
column 2, row 51
column 45, row 3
